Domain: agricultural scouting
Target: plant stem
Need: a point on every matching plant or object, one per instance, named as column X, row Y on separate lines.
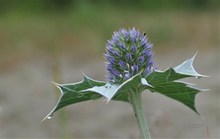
column 135, row 99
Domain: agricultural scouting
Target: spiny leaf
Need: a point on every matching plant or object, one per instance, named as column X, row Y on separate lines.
column 119, row 92
column 89, row 89
column 166, row 84
column 186, row 68
column 180, row 92
column 108, row 90
column 71, row 93
column 163, row 82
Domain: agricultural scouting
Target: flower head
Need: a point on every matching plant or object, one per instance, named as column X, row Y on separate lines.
column 128, row 53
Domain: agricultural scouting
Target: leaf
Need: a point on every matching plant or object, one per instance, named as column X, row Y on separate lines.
column 90, row 89
column 71, row 93
column 186, row 68
column 119, row 92
column 108, row 90
column 164, row 82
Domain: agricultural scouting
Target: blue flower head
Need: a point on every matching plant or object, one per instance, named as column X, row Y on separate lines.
column 128, row 53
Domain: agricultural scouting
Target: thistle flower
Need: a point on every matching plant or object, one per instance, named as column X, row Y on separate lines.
column 128, row 53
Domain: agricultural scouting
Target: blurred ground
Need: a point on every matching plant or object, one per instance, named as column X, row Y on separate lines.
column 37, row 48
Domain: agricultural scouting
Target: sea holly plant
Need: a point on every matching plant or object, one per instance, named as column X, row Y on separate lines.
column 130, row 71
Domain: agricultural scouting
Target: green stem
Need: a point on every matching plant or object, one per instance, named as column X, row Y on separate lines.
column 135, row 99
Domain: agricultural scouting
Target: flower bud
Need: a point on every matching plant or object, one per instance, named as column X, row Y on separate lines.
column 128, row 53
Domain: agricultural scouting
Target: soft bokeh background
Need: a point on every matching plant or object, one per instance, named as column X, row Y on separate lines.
column 56, row 40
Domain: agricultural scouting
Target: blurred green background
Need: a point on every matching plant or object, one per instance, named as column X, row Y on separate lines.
column 57, row 40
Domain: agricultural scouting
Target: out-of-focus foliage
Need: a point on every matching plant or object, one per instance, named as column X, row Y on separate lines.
column 63, row 5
